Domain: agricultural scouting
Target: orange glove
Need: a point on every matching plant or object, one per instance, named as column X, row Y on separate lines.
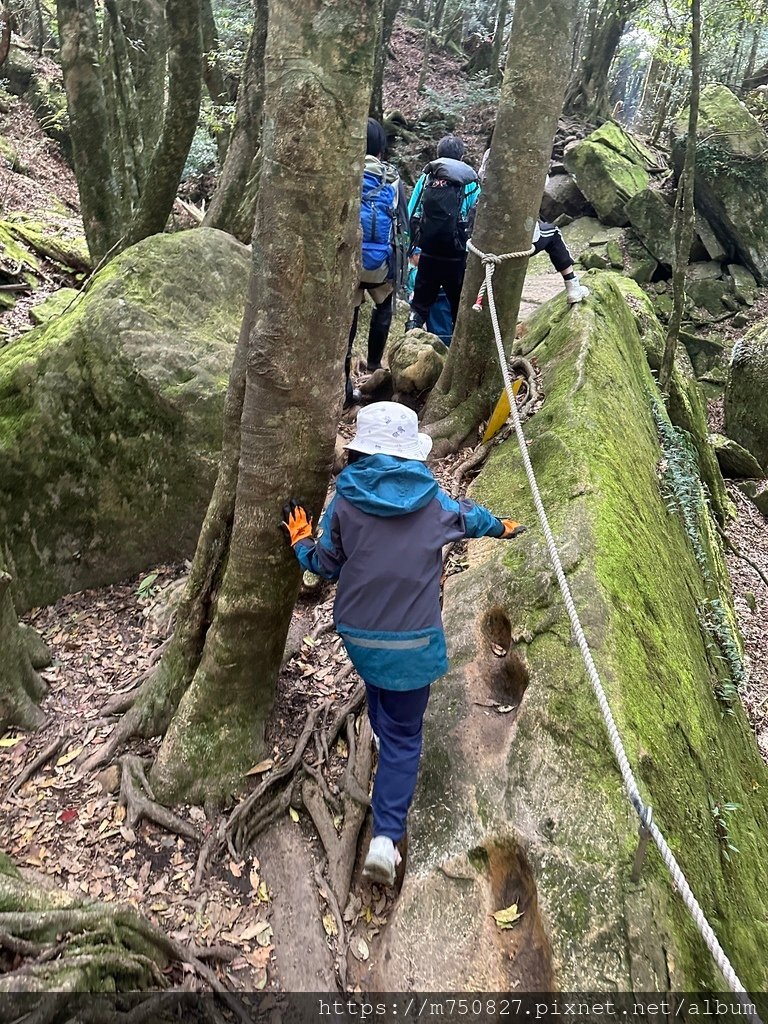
column 511, row 529
column 296, row 521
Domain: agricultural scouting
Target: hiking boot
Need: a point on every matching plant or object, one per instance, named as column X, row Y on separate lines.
column 575, row 291
column 382, row 861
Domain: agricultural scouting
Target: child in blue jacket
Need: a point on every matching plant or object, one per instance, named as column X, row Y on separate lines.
column 382, row 538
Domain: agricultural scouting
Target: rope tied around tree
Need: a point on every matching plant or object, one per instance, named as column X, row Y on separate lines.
column 648, row 827
column 490, row 261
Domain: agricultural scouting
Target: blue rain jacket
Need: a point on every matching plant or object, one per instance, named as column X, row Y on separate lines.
column 382, row 537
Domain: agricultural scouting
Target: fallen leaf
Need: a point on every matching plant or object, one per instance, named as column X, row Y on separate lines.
column 262, row 766
column 9, row 741
column 504, row 709
column 329, row 923
column 341, row 748
column 254, row 879
column 69, row 756
column 359, row 948
column 293, row 813
column 131, row 882
column 498, row 650
column 264, row 935
column 508, row 917
column 263, row 892
column 68, row 815
column 236, row 868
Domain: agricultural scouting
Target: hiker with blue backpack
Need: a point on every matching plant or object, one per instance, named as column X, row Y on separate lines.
column 441, row 210
column 384, row 223
column 382, row 538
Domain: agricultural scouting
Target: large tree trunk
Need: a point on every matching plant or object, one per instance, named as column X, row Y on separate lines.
column 100, row 196
column 179, row 120
column 587, row 94
column 683, row 223
column 20, row 686
column 232, row 190
column 306, row 247
column 529, row 106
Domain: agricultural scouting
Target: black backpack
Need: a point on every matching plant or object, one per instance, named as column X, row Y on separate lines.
column 442, row 231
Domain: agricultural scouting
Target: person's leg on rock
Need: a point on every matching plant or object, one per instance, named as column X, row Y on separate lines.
column 399, row 720
column 551, row 240
column 381, row 321
column 425, row 290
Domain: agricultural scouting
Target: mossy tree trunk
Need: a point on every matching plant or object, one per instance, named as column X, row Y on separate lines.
column 587, row 94
column 233, row 206
column 20, row 686
column 133, row 94
column 683, row 224
column 216, row 683
column 529, row 106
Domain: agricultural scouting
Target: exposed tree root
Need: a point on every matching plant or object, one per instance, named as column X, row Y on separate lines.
column 342, row 940
column 57, row 945
column 45, row 755
column 139, row 802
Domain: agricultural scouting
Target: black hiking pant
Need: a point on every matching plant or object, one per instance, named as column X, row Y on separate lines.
column 378, row 332
column 433, row 274
column 552, row 242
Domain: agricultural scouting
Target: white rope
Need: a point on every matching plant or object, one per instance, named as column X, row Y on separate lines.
column 490, row 263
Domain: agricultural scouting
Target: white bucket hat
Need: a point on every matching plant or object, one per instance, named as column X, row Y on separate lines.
column 387, row 428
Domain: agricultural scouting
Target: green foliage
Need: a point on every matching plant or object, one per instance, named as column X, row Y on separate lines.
column 202, row 153
column 449, row 108
column 723, row 645
column 720, row 813
column 717, row 160
column 685, row 494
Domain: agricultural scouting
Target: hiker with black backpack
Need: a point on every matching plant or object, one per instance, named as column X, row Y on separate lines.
column 384, row 224
column 441, row 210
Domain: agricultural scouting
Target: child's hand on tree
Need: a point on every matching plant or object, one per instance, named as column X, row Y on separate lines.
column 296, row 522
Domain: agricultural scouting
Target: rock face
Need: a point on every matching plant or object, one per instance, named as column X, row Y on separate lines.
column 526, row 805
column 651, row 217
column 563, row 196
column 734, row 460
column 110, row 416
column 610, row 167
column 746, row 407
column 731, row 176
column 416, row 360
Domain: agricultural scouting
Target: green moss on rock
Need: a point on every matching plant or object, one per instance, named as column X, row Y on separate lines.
column 610, row 169
column 746, row 408
column 548, row 774
column 110, row 415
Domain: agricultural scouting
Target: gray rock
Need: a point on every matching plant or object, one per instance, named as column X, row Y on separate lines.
column 709, row 271
column 708, row 239
column 731, row 175
column 562, row 196
column 651, row 217
column 746, row 407
column 735, row 461
column 416, row 360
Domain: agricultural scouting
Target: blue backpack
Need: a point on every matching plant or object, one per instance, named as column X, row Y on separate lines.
column 378, row 212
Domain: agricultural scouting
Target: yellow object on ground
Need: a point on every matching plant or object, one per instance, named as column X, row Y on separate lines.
column 501, row 412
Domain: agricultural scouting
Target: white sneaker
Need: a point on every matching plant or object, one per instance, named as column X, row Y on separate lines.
column 382, row 860
column 575, row 291
column 376, row 742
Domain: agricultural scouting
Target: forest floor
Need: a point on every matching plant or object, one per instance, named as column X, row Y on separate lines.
column 70, row 829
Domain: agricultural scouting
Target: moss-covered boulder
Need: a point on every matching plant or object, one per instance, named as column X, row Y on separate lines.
column 731, row 175
column 520, row 801
column 651, row 217
column 610, row 167
column 416, row 360
column 746, row 407
column 110, row 416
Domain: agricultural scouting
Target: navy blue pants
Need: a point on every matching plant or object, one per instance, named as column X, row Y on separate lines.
column 396, row 718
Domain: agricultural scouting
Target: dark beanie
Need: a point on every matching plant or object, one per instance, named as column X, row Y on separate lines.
column 450, row 146
column 376, row 143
